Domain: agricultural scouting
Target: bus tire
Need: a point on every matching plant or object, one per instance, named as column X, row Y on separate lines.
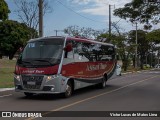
column 120, row 74
column 103, row 83
column 69, row 90
column 28, row 94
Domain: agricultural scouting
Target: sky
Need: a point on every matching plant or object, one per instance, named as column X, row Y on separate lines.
column 83, row 13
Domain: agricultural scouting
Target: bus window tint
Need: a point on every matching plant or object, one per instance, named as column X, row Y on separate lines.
column 87, row 51
column 78, row 53
column 108, row 53
column 42, row 50
column 97, row 52
column 70, row 55
column 84, row 52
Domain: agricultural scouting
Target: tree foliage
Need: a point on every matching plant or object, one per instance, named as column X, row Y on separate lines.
column 125, row 49
column 140, row 11
column 4, row 10
column 143, row 44
column 126, row 45
column 82, row 32
column 13, row 36
column 154, row 36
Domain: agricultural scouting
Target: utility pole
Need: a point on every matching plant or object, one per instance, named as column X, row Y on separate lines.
column 109, row 22
column 158, row 55
column 40, row 18
column 58, row 31
column 151, row 59
column 136, row 48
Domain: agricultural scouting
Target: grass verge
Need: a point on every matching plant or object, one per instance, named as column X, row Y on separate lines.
column 6, row 73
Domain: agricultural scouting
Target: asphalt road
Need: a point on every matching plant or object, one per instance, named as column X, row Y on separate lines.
column 130, row 92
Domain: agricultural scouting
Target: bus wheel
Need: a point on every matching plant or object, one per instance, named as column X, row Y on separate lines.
column 120, row 74
column 28, row 94
column 68, row 91
column 103, row 83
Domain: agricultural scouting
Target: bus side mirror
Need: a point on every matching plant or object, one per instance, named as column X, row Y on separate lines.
column 21, row 49
column 68, row 47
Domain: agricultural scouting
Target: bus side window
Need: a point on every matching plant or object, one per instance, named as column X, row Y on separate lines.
column 78, row 52
column 76, row 49
column 70, row 55
column 87, row 52
column 107, row 53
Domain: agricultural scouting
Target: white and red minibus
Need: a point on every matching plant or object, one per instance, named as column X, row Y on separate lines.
column 57, row 64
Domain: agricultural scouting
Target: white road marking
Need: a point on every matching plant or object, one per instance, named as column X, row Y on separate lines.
column 6, row 89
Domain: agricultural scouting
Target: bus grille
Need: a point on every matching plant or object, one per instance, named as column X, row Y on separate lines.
column 32, row 82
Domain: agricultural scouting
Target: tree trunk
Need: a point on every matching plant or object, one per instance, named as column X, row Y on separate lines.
column 125, row 64
column 11, row 56
column 133, row 61
column 142, row 61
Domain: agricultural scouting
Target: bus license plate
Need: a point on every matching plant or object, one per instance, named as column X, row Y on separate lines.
column 31, row 83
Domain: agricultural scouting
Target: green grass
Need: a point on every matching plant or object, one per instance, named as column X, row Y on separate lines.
column 6, row 73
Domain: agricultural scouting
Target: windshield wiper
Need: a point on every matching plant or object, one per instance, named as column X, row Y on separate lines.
column 45, row 61
column 27, row 62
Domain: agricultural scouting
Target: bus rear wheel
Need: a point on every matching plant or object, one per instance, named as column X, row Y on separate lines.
column 69, row 89
column 103, row 83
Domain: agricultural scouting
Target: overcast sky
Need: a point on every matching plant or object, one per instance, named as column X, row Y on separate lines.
column 83, row 13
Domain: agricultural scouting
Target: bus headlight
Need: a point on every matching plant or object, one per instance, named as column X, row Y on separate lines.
column 50, row 77
column 17, row 77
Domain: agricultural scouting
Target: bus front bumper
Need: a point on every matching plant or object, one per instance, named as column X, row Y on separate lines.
column 38, row 85
column 45, row 90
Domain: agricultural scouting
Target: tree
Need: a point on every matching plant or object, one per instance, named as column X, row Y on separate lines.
column 103, row 37
column 82, row 32
column 4, row 10
column 124, row 47
column 154, row 36
column 140, row 11
column 143, row 44
column 13, row 36
column 28, row 12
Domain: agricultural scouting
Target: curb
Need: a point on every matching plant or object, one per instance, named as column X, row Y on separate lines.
column 135, row 72
column 6, row 89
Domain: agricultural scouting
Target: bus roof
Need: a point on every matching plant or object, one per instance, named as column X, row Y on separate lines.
column 88, row 40
column 71, row 38
column 43, row 38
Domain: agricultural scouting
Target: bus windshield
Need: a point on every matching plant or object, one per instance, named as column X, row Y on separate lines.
column 42, row 53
